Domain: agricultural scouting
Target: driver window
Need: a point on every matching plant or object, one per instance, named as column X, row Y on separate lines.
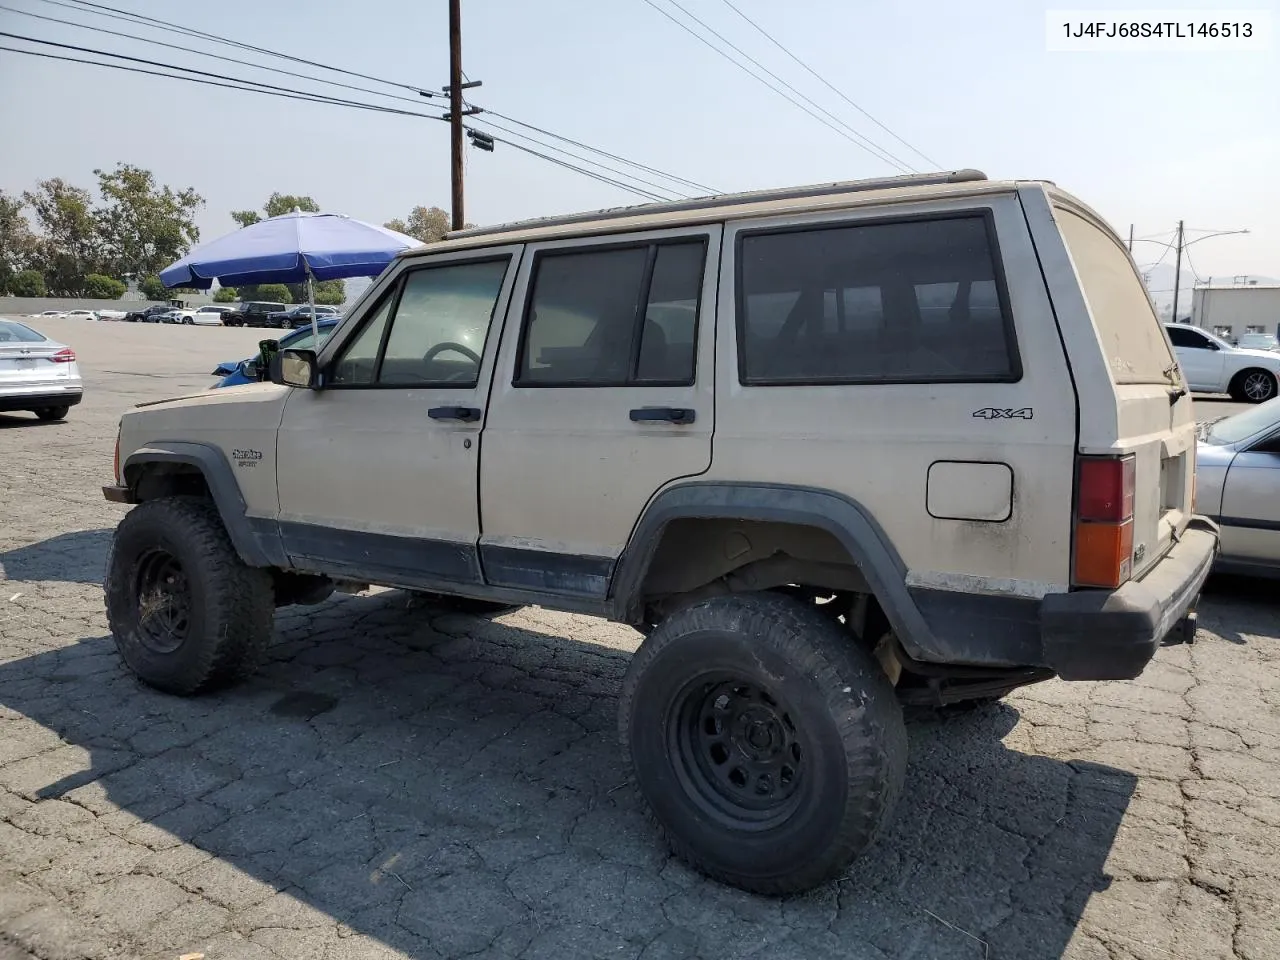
column 441, row 323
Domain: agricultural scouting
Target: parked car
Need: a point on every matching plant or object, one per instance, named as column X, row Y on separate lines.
column 49, row 314
column 36, row 373
column 210, row 314
column 236, row 372
column 81, row 315
column 251, row 314
column 150, row 314
column 941, row 406
column 1211, row 365
column 108, row 314
column 171, row 316
column 1238, row 485
column 1260, row 341
column 297, row 316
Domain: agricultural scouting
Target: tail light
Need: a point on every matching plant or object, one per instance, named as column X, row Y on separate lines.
column 1104, row 521
column 65, row 355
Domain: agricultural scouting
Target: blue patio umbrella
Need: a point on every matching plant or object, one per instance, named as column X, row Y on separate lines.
column 291, row 248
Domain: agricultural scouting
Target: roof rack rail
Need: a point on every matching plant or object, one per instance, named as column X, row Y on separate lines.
column 731, row 199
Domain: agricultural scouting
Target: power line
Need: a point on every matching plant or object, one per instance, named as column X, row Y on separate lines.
column 319, row 97
column 202, row 53
column 604, row 153
column 268, row 91
column 116, row 13
column 1186, row 252
column 154, row 23
column 636, row 190
column 878, row 152
column 829, row 86
column 568, row 153
column 290, row 94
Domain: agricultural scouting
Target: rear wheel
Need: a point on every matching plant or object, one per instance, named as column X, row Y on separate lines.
column 186, row 613
column 52, row 413
column 769, row 746
column 1253, row 386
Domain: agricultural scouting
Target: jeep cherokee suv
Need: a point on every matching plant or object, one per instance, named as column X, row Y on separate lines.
column 831, row 449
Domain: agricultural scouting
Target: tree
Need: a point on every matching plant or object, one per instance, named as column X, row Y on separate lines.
column 246, row 218
column 333, row 292
column 68, row 248
column 427, row 224
column 273, row 293
column 225, row 295
column 27, row 283
column 281, row 203
column 144, row 227
column 103, row 288
column 17, row 242
column 153, row 289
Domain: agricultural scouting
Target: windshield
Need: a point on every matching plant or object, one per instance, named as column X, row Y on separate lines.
column 11, row 332
column 307, row 340
column 1241, row 426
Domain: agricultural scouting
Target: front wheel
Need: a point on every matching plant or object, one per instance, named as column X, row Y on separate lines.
column 186, row 613
column 1253, row 386
column 769, row 746
column 52, row 413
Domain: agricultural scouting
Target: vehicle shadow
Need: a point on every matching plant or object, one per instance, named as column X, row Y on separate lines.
column 76, row 557
column 452, row 786
column 1248, row 604
column 18, row 420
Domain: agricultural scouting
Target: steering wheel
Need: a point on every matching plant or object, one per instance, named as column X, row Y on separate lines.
column 450, row 345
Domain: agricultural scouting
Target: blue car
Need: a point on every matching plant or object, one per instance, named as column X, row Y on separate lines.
column 236, row 372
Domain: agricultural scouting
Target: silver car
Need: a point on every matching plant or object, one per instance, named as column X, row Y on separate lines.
column 36, row 373
column 1238, row 485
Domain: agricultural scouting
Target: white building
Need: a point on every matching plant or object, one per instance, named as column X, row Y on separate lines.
column 1232, row 311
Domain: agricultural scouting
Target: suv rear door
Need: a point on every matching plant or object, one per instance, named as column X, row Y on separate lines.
column 1131, row 395
column 604, row 394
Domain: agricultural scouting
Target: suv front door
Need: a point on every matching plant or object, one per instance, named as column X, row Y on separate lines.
column 378, row 467
column 605, row 395
column 1201, row 359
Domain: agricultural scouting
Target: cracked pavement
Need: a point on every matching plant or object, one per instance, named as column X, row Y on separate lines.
column 403, row 781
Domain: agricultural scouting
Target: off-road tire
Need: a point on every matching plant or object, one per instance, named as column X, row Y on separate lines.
column 231, row 605
column 829, row 692
column 52, row 413
column 1238, row 387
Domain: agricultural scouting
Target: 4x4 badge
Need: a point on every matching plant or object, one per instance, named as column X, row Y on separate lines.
column 1004, row 413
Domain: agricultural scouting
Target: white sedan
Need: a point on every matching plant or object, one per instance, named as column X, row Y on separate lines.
column 36, row 373
column 1211, row 365
column 81, row 315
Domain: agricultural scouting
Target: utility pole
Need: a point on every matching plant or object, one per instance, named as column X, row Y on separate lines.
column 1177, row 274
column 1131, row 238
column 455, row 109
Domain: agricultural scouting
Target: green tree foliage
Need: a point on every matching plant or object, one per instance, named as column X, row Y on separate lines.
column 225, row 295
column 153, row 289
column 27, row 283
column 332, row 292
column 272, row 293
column 17, row 242
column 246, row 218
column 143, row 227
column 281, row 203
column 428, row 224
column 100, row 287
column 69, row 247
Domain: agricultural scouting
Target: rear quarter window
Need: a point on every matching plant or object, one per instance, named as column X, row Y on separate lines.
column 1132, row 339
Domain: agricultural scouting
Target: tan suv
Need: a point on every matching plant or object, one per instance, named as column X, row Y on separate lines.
column 832, row 449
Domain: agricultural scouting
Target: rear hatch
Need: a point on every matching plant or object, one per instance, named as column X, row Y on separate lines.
column 26, row 364
column 1150, row 417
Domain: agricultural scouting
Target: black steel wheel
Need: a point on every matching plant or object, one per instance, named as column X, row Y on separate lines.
column 187, row 615
column 52, row 413
column 768, row 745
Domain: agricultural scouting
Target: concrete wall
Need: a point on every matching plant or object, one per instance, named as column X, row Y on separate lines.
column 1216, row 308
column 22, row 306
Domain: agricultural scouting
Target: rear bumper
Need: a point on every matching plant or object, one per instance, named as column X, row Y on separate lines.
column 43, row 397
column 1113, row 634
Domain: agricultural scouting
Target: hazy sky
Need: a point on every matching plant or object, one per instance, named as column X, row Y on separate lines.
column 1145, row 138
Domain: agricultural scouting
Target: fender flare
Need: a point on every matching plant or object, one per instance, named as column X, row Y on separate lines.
column 842, row 517
column 257, row 540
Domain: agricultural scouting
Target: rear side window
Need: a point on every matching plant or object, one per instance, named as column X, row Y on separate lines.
column 1132, row 340
column 888, row 302
column 624, row 316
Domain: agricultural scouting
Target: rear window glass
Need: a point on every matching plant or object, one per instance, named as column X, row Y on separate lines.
column 16, row 332
column 908, row 301
column 1132, row 340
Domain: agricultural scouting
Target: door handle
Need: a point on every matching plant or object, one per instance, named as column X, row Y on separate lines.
column 466, row 414
column 666, row 414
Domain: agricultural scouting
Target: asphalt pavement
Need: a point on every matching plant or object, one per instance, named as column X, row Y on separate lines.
column 401, row 781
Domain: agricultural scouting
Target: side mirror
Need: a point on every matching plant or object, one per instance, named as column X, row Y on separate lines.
column 297, row 368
